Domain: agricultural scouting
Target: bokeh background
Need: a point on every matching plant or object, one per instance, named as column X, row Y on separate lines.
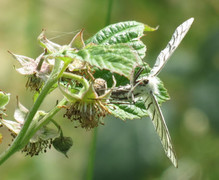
column 125, row 150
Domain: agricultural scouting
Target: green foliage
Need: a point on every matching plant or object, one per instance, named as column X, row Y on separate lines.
column 115, row 51
column 128, row 32
column 63, row 144
column 115, row 58
column 163, row 95
column 192, row 79
column 4, row 99
column 128, row 110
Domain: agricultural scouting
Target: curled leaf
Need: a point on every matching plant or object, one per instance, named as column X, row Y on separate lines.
column 63, row 144
column 4, row 99
column 47, row 44
column 78, row 42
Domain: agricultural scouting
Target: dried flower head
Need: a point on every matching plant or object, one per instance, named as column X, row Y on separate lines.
column 33, row 149
column 88, row 114
column 37, row 70
column 40, row 141
column 88, row 107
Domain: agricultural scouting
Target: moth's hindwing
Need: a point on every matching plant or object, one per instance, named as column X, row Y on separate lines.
column 157, row 118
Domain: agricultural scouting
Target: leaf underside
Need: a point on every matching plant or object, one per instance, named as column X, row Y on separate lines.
column 128, row 111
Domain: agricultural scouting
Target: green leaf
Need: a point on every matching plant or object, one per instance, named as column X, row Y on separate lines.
column 163, row 94
column 4, row 99
column 136, row 110
column 148, row 28
column 128, row 111
column 116, row 58
column 107, row 76
column 128, row 32
column 120, row 80
column 62, row 144
column 78, row 42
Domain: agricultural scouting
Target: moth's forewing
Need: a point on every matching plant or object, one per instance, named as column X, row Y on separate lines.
column 174, row 42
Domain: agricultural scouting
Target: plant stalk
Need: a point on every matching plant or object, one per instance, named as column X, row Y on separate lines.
column 44, row 121
column 109, row 11
column 17, row 143
column 91, row 161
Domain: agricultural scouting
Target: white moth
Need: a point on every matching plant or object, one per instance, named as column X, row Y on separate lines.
column 147, row 89
column 150, row 100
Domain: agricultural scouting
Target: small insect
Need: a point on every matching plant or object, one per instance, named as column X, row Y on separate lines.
column 147, row 88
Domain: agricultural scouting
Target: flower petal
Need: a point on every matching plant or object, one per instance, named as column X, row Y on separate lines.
column 78, row 42
column 24, row 60
column 12, row 125
column 49, row 45
column 20, row 113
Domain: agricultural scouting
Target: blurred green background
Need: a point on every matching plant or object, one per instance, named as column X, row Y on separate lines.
column 125, row 150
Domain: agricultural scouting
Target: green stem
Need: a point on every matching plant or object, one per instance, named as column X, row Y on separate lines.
column 57, row 126
column 90, row 169
column 81, row 79
column 91, row 161
column 109, row 11
column 33, row 24
column 40, row 63
column 31, row 131
column 17, row 145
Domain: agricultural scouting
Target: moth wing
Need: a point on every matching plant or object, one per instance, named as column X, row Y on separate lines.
column 165, row 54
column 157, row 118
